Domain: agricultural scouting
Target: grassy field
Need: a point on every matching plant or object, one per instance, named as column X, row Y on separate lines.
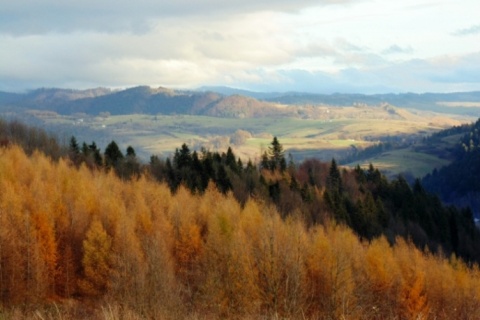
column 405, row 161
column 324, row 138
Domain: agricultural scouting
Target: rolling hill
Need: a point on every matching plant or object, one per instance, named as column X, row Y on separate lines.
column 227, row 103
column 138, row 100
column 157, row 120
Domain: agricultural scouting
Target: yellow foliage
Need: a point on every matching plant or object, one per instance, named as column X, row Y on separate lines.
column 72, row 232
column 96, row 260
column 47, row 247
column 381, row 279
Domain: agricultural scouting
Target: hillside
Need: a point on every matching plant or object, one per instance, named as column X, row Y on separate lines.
column 157, row 120
column 467, row 103
column 413, row 158
column 461, row 102
column 458, row 183
column 447, row 162
column 229, row 103
column 82, row 243
column 137, row 100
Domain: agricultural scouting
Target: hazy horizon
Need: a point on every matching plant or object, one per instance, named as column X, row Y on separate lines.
column 220, row 89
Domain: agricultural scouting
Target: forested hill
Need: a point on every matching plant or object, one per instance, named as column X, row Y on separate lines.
column 459, row 182
column 224, row 102
column 139, row 100
column 83, row 244
column 86, row 233
column 365, row 200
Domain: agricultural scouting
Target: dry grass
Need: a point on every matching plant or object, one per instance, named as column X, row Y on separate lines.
column 454, row 104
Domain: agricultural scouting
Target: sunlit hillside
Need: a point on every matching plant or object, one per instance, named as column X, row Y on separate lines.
column 77, row 243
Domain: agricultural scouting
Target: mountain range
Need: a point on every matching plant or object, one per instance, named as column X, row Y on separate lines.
column 222, row 101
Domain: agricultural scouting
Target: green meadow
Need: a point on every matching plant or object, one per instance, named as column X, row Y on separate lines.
column 302, row 138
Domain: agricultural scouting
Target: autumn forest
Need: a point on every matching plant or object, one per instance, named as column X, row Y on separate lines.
column 86, row 234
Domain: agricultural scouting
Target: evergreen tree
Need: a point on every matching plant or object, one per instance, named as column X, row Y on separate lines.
column 196, row 180
column 131, row 152
column 276, row 156
column 113, row 155
column 130, row 166
column 230, row 160
column 223, row 181
column 334, row 180
column 74, row 151
column 182, row 157
column 172, row 176
column 85, row 149
column 74, row 147
column 97, row 157
column 208, row 171
column 239, row 166
column 265, row 163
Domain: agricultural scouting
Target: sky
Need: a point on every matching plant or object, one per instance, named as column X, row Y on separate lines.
column 322, row 46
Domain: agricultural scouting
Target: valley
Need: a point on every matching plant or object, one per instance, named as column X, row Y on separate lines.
column 157, row 121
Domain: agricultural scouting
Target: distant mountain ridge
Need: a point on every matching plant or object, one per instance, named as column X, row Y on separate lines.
column 139, row 100
column 223, row 101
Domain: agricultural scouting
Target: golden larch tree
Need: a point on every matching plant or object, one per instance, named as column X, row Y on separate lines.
column 96, row 261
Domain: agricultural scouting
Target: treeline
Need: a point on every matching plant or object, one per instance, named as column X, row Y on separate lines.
column 124, row 165
column 369, row 152
column 30, row 139
column 459, row 183
column 82, row 243
column 361, row 199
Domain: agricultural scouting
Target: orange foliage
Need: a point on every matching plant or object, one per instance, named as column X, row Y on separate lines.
column 381, row 280
column 71, row 232
column 413, row 302
column 97, row 261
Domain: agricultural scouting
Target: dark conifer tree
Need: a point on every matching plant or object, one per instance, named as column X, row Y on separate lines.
column 85, row 149
column 230, row 161
column 113, row 155
column 196, row 179
column 334, row 180
column 130, row 167
column 172, row 176
column 131, row 152
column 239, row 166
column 208, row 170
column 74, row 151
column 95, row 152
column 223, row 181
column 265, row 163
column 276, row 156
column 74, row 147
column 182, row 157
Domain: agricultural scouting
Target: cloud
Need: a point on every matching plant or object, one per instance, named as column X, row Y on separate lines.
column 464, row 69
column 253, row 44
column 181, row 54
column 440, row 74
column 24, row 17
column 396, row 49
column 468, row 31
